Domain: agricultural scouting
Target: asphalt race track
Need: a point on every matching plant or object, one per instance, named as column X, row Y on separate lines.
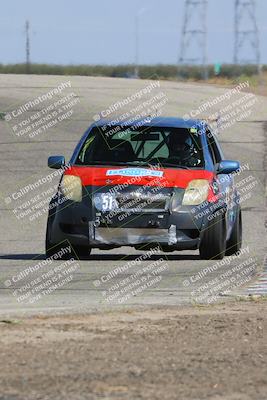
column 92, row 284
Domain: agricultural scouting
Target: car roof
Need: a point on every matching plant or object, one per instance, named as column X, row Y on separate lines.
column 170, row 122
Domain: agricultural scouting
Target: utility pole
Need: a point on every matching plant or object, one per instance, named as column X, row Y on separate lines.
column 194, row 33
column 136, row 69
column 27, row 32
column 246, row 33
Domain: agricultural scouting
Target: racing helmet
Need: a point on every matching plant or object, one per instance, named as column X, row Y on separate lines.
column 181, row 145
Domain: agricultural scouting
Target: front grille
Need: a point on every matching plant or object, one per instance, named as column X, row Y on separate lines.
column 134, row 203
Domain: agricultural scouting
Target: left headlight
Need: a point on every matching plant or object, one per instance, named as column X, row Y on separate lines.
column 196, row 192
column 71, row 187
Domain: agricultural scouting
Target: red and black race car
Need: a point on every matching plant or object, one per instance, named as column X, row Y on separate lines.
column 161, row 182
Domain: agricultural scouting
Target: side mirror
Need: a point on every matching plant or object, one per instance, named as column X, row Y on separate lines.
column 56, row 162
column 227, row 167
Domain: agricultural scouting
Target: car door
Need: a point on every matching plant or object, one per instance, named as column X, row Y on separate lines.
column 225, row 182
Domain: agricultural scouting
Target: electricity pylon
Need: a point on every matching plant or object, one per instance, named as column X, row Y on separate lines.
column 246, row 33
column 194, row 34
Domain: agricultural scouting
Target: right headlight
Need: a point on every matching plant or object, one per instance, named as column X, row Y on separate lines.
column 196, row 192
column 71, row 187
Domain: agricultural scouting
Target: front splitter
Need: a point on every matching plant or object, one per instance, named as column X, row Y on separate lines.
column 131, row 236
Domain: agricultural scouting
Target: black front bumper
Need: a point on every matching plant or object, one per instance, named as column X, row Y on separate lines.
column 180, row 230
column 84, row 224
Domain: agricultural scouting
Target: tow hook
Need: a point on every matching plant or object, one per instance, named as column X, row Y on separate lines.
column 97, row 222
column 153, row 224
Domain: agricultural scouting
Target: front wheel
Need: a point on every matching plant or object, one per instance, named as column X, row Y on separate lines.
column 81, row 252
column 213, row 242
column 64, row 250
column 56, row 251
column 59, row 251
column 234, row 243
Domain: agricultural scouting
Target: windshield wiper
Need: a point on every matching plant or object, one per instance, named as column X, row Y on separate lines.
column 175, row 165
column 135, row 163
column 105, row 163
column 141, row 163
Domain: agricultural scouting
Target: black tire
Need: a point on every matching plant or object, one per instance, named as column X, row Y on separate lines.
column 50, row 250
column 55, row 250
column 213, row 242
column 167, row 249
column 234, row 243
column 80, row 252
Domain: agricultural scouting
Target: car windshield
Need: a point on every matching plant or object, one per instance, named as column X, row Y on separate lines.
column 168, row 147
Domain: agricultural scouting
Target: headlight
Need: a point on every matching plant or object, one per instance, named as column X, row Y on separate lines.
column 196, row 192
column 71, row 187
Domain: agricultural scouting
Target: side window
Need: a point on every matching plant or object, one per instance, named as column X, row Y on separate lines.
column 213, row 148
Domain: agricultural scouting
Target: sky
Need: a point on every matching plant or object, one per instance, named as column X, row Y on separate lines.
column 103, row 31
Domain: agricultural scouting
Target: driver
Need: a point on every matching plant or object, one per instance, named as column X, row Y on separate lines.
column 182, row 150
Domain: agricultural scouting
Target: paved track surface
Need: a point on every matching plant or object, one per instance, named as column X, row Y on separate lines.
column 24, row 160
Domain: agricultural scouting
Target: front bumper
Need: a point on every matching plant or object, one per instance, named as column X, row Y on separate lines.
column 180, row 230
column 86, row 225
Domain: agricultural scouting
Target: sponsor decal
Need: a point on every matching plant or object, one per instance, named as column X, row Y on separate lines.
column 134, row 172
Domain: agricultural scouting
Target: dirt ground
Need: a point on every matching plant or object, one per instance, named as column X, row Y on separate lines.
column 216, row 352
